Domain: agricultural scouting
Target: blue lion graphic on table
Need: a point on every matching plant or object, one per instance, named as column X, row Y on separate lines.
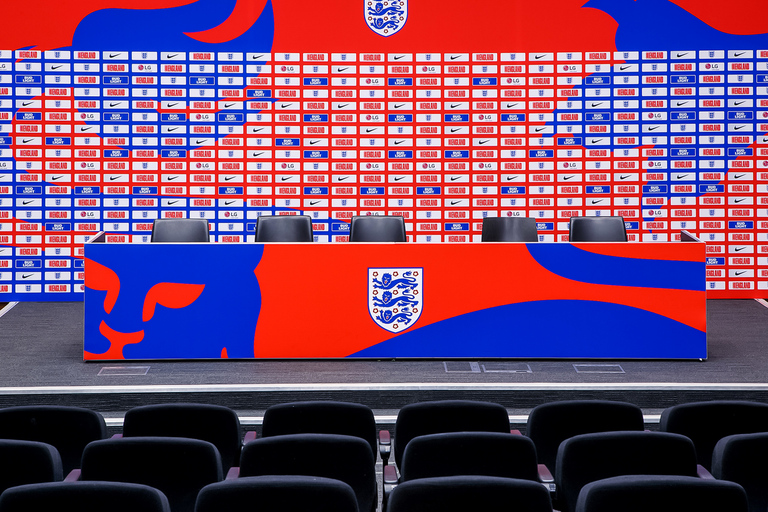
column 395, row 300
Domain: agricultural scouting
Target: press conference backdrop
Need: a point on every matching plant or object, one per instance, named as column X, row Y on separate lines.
column 117, row 112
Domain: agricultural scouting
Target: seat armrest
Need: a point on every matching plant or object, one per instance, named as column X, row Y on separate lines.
column 73, row 476
column 385, row 446
column 515, row 432
column 233, row 473
column 546, row 478
column 390, row 482
column 117, row 436
column 702, row 473
column 250, row 436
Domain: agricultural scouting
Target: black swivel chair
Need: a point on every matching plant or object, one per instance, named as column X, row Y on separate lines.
column 84, row 497
column 180, row 230
column 284, row 228
column 383, row 228
column 597, row 229
column 509, row 229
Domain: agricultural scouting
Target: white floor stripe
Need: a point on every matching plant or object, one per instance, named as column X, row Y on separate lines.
column 763, row 302
column 7, row 308
column 386, row 386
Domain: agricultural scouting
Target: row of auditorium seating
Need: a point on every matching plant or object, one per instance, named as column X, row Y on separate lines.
column 443, row 494
column 387, row 228
column 432, row 439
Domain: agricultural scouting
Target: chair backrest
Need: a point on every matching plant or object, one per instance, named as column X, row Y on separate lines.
column 321, row 417
column 469, row 453
column 741, row 458
column 340, row 457
column 213, row 423
column 28, row 462
column 84, row 497
column 446, row 416
column 641, row 493
column 509, row 229
column 552, row 423
column 468, row 493
column 284, row 228
column 179, row 467
column 180, row 230
column 377, row 228
column 589, row 457
column 285, row 493
column 68, row 429
column 694, row 420
column 597, row 229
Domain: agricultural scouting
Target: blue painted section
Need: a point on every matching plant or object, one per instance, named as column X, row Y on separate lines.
column 570, row 262
column 583, row 329
column 224, row 315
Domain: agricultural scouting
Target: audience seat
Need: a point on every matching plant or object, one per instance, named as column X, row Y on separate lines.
column 84, row 497
column 28, row 462
column 741, row 458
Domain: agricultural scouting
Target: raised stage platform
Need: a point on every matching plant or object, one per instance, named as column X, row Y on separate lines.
column 41, row 362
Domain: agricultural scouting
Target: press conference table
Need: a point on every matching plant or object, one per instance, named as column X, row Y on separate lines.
column 413, row 300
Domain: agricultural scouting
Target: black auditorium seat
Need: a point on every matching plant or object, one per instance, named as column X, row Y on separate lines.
column 28, row 462
column 551, row 423
column 284, row 493
column 597, row 229
column 509, row 229
column 705, row 423
column 180, row 230
column 284, row 228
column 84, row 497
column 179, row 467
column 340, row 457
column 68, row 429
column 469, row 493
column 590, row 457
column 641, row 493
column 741, row 458
column 377, row 228
column 213, row 423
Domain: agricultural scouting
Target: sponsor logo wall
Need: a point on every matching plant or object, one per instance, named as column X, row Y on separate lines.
column 439, row 112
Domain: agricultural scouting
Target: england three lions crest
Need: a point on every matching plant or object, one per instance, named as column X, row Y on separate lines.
column 395, row 297
column 386, row 17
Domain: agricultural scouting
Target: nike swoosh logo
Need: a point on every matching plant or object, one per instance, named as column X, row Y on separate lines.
column 595, row 141
column 113, row 178
column 27, row 141
column 737, row 176
column 454, row 130
column 172, row 56
column 510, row 105
column 454, row 178
column 483, row 142
column 313, row 142
column 596, row 104
column 199, row 141
column 739, row 249
column 114, row 104
column 171, row 203
column 171, row 105
column 344, row 178
column 398, row 57
column 596, row 201
column 173, row 129
column 651, row 128
column 254, row 155
column 370, row 130
column 26, row 276
column 682, row 54
column 739, row 54
column 26, row 103
column 313, row 203
column 257, row 57
column 344, row 105
column 255, row 130
column 171, row 178
column 227, row 203
column 228, row 105
column 566, row 178
column 398, row 142
column 454, row 57
column 457, row 105
column 625, row 177
column 56, row 178
column 737, row 103
column 681, row 103
column 741, row 200
column 339, row 70
column 537, row 57
column 85, row 128
column 57, row 67
column 286, row 105
column 454, row 203
column 399, row 178
column 285, row 178
column 740, row 273
column 622, row 68
column 229, row 178
column 25, row 203
column 113, row 55
column 510, row 178
column 402, row 105
column 537, row 130
column 739, row 127
column 680, row 176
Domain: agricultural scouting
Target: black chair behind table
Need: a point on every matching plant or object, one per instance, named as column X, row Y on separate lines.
column 597, row 229
column 509, row 229
column 423, row 418
column 284, row 228
column 590, row 457
column 696, row 421
column 213, row 423
column 469, row 493
column 469, row 453
column 180, row 230
column 28, row 462
column 340, row 457
column 84, row 497
column 286, row 493
column 377, row 228
column 641, row 493
column 68, row 429
column 741, row 458
column 178, row 467
column 552, row 423
column 321, row 417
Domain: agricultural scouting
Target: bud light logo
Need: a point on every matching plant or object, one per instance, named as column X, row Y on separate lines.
column 386, row 18
column 395, row 297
